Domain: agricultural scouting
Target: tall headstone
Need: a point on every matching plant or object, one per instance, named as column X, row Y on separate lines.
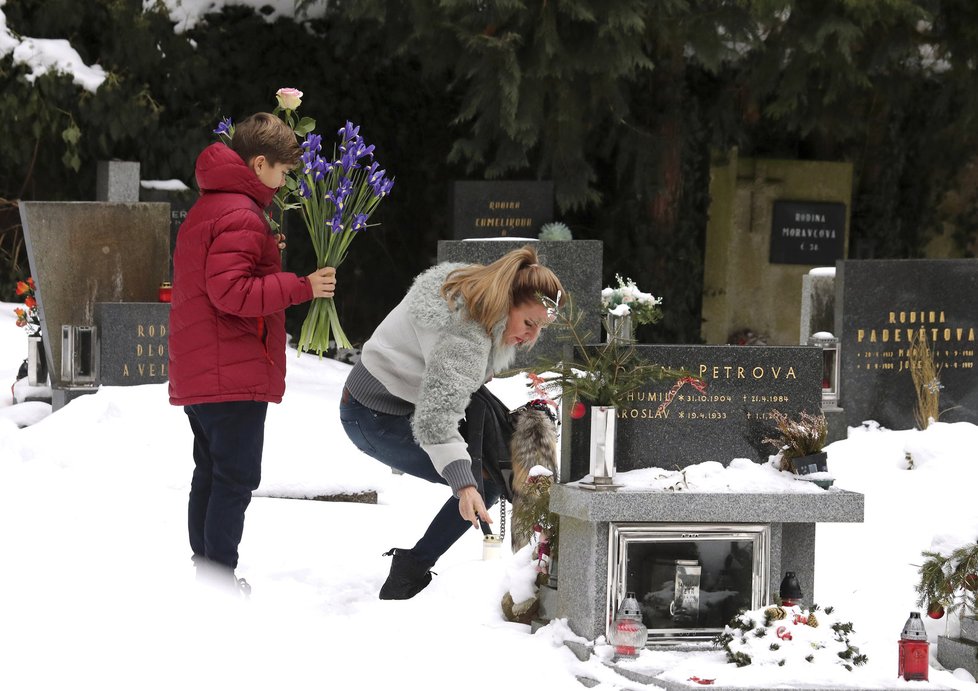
column 817, row 303
column 117, row 181
column 771, row 221
column 884, row 303
column 492, row 209
column 659, row 427
column 577, row 264
column 82, row 253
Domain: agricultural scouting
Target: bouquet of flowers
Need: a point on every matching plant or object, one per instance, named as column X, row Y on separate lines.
column 628, row 299
column 336, row 196
column 28, row 318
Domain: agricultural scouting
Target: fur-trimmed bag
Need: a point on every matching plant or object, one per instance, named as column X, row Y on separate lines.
column 505, row 445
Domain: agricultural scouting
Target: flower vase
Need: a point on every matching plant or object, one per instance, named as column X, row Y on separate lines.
column 620, row 328
column 604, row 431
column 37, row 364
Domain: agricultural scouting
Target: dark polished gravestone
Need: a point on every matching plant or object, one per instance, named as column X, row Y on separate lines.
column 577, row 264
column 180, row 200
column 884, row 304
column 133, row 342
column 82, row 253
column 488, row 209
column 728, row 420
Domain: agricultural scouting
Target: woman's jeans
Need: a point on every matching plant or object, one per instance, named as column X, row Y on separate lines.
column 228, row 441
column 389, row 439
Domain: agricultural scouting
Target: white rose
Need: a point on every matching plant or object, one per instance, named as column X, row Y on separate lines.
column 289, row 98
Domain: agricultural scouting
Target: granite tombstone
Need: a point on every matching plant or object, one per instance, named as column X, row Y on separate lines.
column 178, row 196
column 82, row 253
column 885, row 303
column 667, row 427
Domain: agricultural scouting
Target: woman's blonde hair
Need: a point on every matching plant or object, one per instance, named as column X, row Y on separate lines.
column 490, row 291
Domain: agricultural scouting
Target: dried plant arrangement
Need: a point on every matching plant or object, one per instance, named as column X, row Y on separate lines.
column 797, row 438
column 926, row 382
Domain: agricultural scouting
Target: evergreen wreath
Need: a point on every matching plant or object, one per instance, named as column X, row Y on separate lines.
column 777, row 635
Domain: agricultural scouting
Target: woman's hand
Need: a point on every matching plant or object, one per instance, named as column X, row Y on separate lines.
column 471, row 506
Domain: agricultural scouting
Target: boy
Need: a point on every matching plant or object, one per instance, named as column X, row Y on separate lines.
column 227, row 330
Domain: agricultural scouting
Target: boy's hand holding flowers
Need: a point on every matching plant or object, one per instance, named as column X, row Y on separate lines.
column 323, row 282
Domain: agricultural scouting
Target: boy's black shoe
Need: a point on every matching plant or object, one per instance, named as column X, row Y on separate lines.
column 220, row 577
column 408, row 576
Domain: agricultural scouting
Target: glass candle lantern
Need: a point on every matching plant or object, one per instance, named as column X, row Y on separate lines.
column 790, row 590
column 830, row 366
column 914, row 650
column 628, row 634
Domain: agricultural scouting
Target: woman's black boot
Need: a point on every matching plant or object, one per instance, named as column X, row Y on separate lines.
column 408, row 576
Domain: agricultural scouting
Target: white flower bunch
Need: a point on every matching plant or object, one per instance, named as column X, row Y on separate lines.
column 628, row 299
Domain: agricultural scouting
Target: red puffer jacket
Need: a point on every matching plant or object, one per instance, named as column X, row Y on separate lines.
column 227, row 319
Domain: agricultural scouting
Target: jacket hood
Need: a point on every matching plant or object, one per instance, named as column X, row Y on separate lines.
column 220, row 169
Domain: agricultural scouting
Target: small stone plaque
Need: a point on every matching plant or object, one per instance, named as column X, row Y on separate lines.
column 133, row 342
column 488, row 209
column 884, row 303
column 807, row 232
column 663, row 429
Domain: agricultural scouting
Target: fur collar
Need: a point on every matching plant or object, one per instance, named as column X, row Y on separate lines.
column 430, row 310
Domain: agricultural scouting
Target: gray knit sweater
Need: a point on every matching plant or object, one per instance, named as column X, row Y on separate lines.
column 428, row 359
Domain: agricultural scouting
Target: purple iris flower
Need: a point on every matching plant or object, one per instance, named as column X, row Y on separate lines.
column 313, row 142
column 348, row 131
column 304, row 190
column 224, row 127
column 359, row 150
column 360, row 222
column 375, row 176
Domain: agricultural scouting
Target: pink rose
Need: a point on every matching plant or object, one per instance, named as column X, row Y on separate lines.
column 288, row 98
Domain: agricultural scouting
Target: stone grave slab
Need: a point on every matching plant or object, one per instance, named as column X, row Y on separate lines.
column 81, row 253
column 133, row 342
column 577, row 264
column 884, row 302
column 487, row 209
column 729, row 420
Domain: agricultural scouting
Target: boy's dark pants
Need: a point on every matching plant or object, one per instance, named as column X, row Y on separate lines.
column 228, row 440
